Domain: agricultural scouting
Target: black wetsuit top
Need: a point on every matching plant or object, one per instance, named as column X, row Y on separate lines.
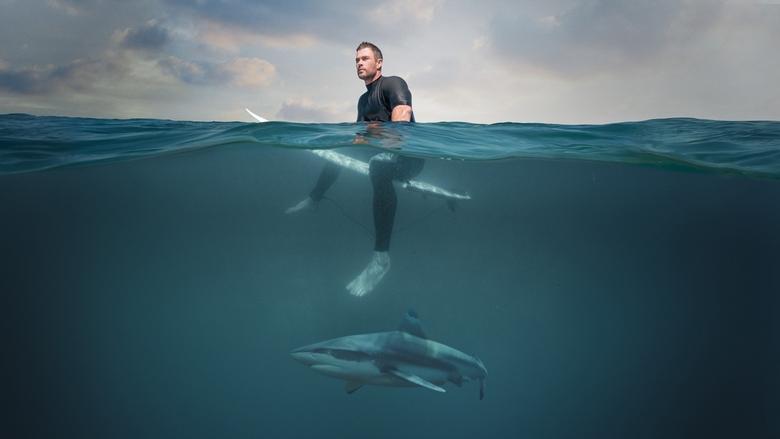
column 377, row 103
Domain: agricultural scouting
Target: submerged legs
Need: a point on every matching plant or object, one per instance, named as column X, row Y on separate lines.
column 383, row 169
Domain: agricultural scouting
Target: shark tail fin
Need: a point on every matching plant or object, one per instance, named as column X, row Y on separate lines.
column 481, row 389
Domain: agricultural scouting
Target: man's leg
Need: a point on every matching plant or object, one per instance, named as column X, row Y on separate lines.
column 383, row 169
column 328, row 176
column 384, row 202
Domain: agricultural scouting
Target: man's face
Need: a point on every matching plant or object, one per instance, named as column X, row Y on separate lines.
column 366, row 63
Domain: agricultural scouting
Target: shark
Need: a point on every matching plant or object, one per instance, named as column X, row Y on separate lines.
column 402, row 358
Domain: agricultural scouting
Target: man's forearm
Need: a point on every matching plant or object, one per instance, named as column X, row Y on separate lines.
column 401, row 113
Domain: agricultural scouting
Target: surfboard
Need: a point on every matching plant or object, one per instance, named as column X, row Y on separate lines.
column 361, row 167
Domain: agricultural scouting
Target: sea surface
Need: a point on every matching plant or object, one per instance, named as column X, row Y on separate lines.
column 617, row 281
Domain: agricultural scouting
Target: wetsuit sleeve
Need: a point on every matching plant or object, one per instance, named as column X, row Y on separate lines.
column 396, row 92
column 360, row 106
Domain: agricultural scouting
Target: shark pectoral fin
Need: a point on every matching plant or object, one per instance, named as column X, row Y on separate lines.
column 414, row 379
column 352, row 386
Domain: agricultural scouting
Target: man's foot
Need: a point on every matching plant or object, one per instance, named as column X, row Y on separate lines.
column 376, row 269
column 306, row 204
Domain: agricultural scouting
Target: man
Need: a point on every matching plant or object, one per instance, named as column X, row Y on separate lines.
column 387, row 99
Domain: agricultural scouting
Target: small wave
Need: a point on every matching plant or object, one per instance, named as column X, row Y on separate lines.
column 32, row 143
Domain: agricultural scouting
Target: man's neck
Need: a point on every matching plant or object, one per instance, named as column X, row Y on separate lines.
column 377, row 76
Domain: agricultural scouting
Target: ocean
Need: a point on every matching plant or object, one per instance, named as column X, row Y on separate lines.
column 617, row 280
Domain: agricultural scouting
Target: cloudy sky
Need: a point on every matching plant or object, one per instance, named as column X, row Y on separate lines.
column 565, row 61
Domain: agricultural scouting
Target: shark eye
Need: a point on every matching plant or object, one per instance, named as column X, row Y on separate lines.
column 347, row 355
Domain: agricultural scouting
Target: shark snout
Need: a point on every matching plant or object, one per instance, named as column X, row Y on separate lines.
column 304, row 356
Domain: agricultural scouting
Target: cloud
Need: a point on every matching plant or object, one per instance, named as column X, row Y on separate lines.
column 600, row 35
column 72, row 7
column 401, row 11
column 270, row 17
column 192, row 72
column 242, row 72
column 217, row 36
column 250, row 72
column 226, row 38
column 137, row 55
column 149, row 36
column 78, row 75
column 340, row 21
column 304, row 110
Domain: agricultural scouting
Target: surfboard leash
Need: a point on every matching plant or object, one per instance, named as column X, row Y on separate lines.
column 350, row 217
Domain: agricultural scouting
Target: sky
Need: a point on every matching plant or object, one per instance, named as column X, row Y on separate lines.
column 554, row 61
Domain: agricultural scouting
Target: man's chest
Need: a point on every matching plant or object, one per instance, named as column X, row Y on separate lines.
column 372, row 107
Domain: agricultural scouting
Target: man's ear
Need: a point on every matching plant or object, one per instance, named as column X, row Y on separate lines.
column 379, row 63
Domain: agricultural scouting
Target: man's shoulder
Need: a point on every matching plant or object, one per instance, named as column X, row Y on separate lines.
column 394, row 84
column 393, row 80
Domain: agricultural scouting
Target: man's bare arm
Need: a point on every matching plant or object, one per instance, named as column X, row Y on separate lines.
column 401, row 113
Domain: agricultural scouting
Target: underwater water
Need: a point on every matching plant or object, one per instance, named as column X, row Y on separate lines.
column 616, row 280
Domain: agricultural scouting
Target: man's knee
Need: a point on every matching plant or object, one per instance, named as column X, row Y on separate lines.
column 387, row 157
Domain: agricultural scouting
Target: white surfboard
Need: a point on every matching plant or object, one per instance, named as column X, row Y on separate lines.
column 361, row 167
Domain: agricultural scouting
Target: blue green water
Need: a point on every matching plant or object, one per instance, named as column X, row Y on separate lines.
column 617, row 280
column 29, row 143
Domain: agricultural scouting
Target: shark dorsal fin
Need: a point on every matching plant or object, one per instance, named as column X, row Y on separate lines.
column 411, row 324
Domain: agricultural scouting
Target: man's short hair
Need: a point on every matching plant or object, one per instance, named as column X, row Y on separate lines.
column 366, row 44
